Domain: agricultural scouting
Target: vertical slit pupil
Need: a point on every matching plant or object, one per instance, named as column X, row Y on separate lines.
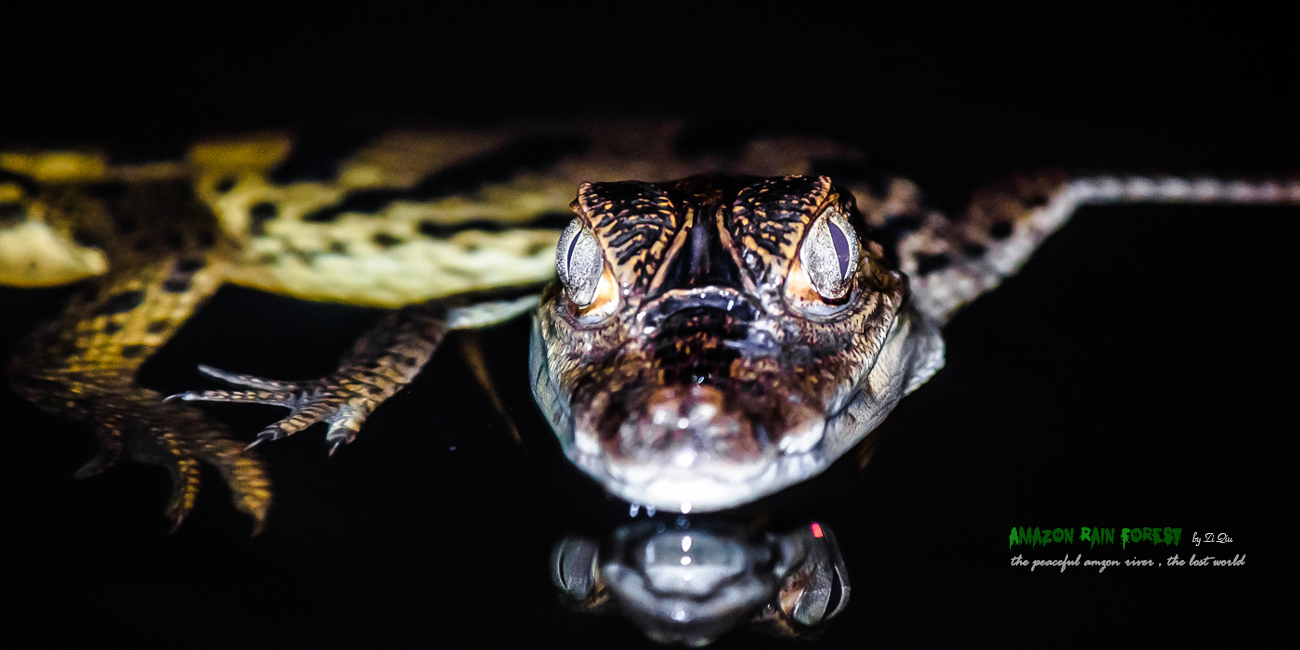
column 573, row 243
column 842, row 250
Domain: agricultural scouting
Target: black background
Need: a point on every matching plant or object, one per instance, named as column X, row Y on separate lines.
column 1136, row 373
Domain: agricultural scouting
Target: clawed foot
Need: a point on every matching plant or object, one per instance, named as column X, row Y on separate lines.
column 179, row 438
column 380, row 364
column 343, row 400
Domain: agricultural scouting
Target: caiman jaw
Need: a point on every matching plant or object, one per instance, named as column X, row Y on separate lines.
column 703, row 369
column 687, row 450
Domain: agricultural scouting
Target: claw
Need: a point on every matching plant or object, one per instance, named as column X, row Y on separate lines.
column 335, row 448
column 272, row 432
column 185, row 484
column 345, row 426
column 181, row 439
column 248, row 380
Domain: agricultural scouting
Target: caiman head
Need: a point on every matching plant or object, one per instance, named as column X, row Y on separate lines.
column 716, row 339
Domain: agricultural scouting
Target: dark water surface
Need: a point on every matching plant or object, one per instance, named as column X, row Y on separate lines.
column 1108, row 385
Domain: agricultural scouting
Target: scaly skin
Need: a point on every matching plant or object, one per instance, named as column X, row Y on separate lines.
column 427, row 220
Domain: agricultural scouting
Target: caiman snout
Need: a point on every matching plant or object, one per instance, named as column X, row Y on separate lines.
column 691, row 445
column 688, row 427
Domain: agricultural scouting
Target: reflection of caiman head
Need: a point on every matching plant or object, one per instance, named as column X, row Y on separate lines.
column 690, row 586
column 716, row 339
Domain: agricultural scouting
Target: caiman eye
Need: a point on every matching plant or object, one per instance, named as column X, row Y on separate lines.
column 830, row 254
column 579, row 264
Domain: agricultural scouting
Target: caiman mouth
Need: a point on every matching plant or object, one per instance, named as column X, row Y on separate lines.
column 683, row 453
column 702, row 438
column 683, row 450
column 702, row 484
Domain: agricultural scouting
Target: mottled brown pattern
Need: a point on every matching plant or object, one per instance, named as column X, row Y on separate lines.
column 167, row 258
column 706, row 304
column 769, row 219
column 1008, row 201
column 637, row 221
column 953, row 261
column 712, row 340
column 994, row 214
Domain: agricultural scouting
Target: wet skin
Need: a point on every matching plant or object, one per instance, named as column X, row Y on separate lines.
column 708, row 366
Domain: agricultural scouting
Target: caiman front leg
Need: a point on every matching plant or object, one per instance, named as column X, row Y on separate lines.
column 382, row 362
column 167, row 256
